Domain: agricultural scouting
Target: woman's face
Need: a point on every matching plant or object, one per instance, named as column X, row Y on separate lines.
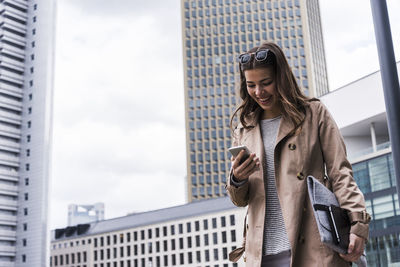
column 261, row 87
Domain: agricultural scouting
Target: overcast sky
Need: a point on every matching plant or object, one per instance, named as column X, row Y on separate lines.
column 119, row 130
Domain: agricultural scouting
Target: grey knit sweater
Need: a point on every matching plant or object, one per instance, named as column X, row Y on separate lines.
column 275, row 237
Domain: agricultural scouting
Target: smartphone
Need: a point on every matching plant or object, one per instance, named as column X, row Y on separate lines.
column 236, row 150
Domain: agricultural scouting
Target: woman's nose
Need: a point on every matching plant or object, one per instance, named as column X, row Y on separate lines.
column 258, row 90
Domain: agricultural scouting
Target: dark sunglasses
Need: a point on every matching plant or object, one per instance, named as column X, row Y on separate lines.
column 260, row 55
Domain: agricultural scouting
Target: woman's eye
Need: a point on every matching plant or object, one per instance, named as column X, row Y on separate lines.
column 267, row 84
column 250, row 85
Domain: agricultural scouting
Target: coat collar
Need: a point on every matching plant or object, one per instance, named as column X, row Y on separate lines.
column 285, row 127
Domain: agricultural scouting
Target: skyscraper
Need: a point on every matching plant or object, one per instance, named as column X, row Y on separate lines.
column 215, row 33
column 26, row 80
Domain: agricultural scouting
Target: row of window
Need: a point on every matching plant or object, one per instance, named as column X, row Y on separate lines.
column 207, row 3
column 165, row 246
column 203, row 115
column 211, row 71
column 206, row 145
column 375, row 174
column 206, row 157
column 221, row 145
column 206, row 168
column 235, row 19
column 222, row 40
column 209, row 136
column 164, row 231
column 211, row 92
column 66, row 259
column 219, row 190
column 158, row 260
column 28, row 137
column 216, row 179
column 226, row 80
column 250, row 37
column 192, row 22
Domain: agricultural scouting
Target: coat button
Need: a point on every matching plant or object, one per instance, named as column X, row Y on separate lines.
column 292, row 146
column 301, row 239
column 304, row 209
column 300, row 176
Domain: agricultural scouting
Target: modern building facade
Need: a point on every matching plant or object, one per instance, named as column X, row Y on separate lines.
column 364, row 127
column 26, row 80
column 215, row 33
column 201, row 233
column 81, row 214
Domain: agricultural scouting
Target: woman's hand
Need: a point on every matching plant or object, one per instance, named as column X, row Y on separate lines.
column 355, row 250
column 242, row 171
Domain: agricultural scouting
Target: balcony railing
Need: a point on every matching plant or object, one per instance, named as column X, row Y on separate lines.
column 367, row 151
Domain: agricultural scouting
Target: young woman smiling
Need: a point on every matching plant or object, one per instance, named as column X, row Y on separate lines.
column 290, row 136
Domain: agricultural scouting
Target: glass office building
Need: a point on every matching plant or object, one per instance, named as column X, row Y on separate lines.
column 377, row 181
column 215, row 33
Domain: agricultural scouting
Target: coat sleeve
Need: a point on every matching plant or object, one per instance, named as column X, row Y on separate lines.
column 340, row 173
column 238, row 194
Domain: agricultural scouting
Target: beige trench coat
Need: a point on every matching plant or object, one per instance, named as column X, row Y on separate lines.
column 296, row 157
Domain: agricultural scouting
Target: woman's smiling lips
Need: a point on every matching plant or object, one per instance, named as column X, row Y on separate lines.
column 265, row 101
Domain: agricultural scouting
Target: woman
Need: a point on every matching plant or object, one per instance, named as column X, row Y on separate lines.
column 290, row 136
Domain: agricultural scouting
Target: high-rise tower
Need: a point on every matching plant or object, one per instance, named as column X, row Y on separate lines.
column 215, row 33
column 26, row 80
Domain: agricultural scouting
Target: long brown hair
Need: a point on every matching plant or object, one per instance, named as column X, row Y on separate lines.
column 290, row 97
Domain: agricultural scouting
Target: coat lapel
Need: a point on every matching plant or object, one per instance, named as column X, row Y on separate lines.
column 285, row 127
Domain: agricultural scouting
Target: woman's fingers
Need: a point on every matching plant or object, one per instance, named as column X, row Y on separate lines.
column 243, row 170
column 356, row 248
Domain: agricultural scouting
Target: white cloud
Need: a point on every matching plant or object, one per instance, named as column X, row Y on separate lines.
column 349, row 38
column 119, row 133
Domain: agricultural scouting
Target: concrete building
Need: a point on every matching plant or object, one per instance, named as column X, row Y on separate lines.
column 215, row 33
column 359, row 111
column 26, row 81
column 201, row 233
column 81, row 214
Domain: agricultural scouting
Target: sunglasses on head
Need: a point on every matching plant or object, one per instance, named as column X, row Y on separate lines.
column 259, row 55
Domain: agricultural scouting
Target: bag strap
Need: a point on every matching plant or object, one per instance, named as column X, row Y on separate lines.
column 321, row 207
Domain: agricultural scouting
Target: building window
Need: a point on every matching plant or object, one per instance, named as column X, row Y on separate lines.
column 27, row 166
column 24, row 242
column 26, row 181
column 233, row 235
column 25, row 226
column 24, row 258
column 28, row 138
column 205, row 224
column 26, row 196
